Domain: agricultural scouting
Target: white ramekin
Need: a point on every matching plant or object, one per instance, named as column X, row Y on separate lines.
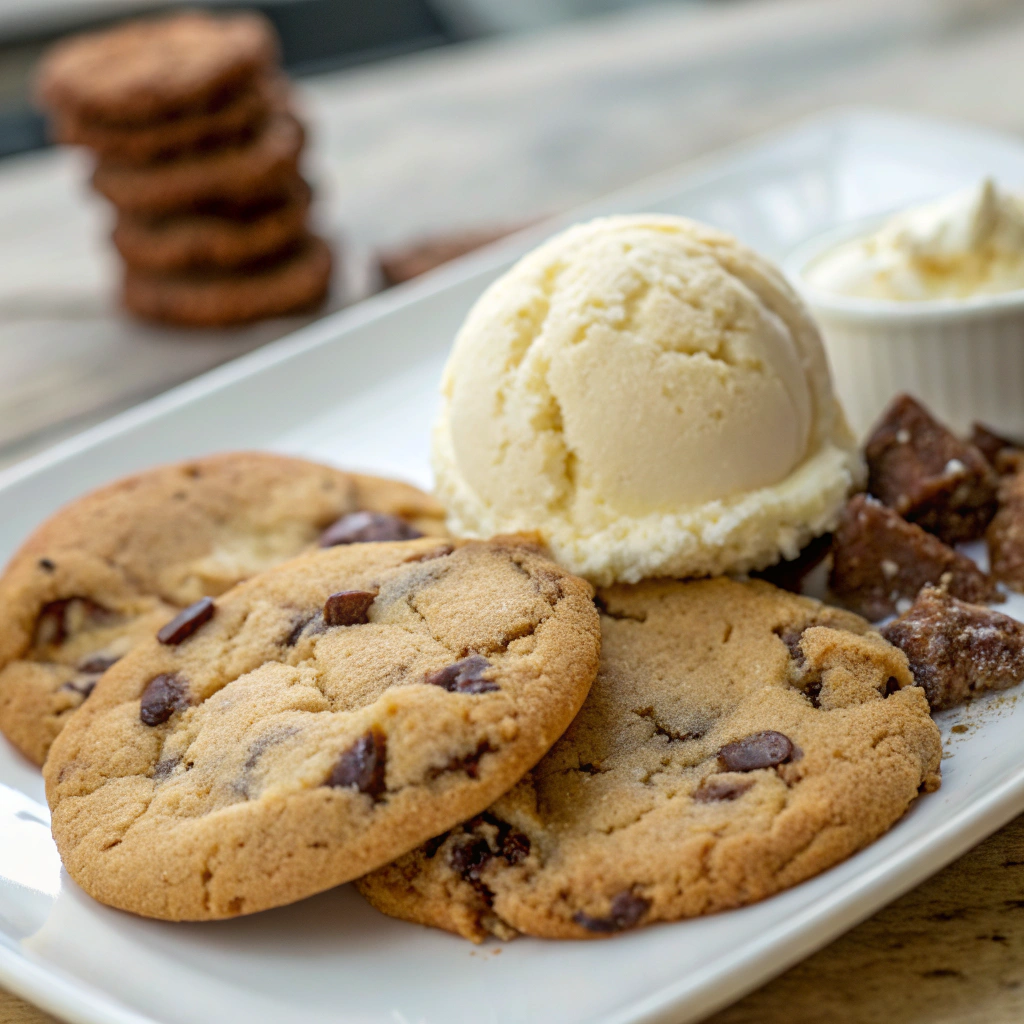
column 963, row 358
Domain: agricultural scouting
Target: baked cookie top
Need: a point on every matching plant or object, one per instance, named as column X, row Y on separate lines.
column 737, row 740
column 328, row 716
column 116, row 564
column 156, row 67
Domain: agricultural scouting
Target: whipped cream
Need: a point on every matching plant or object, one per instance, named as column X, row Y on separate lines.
column 965, row 244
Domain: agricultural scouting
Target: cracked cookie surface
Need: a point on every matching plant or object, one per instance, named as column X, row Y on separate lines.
column 737, row 740
column 328, row 716
column 113, row 566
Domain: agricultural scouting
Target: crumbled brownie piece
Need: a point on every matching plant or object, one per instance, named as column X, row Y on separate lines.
column 956, row 649
column 991, row 444
column 1005, row 534
column 879, row 560
column 928, row 475
column 792, row 574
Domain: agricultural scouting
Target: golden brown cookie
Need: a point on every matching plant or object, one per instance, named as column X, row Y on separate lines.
column 113, row 566
column 321, row 719
column 738, row 740
column 203, row 241
column 257, row 170
column 156, row 67
column 237, row 118
column 296, row 282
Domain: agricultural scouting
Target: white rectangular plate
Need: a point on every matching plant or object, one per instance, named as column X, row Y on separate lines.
column 357, row 389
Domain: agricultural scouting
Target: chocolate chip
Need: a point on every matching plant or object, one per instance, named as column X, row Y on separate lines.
column 892, row 685
column 759, row 750
column 367, row 527
column 50, row 625
column 187, row 621
column 469, row 858
column 59, row 618
column 713, row 790
column 465, row 676
column 297, row 630
column 515, row 847
column 626, row 910
column 348, row 607
column 164, row 694
column 163, row 769
column 362, row 766
column 97, row 664
column 791, row 638
column 47, row 565
column 80, row 686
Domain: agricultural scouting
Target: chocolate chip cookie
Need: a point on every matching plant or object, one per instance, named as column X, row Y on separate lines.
column 241, row 175
column 317, row 721
column 156, row 67
column 738, row 740
column 115, row 565
column 296, row 281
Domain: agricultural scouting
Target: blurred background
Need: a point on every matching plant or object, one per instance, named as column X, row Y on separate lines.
column 449, row 122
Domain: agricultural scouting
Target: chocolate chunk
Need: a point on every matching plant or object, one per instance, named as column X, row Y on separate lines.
column 759, row 750
column 297, row 630
column 626, row 910
column 713, row 790
column 363, row 765
column 164, row 694
column 164, row 769
column 469, row 857
column 928, row 475
column 989, row 443
column 1005, row 536
column 47, row 565
column 515, row 847
column 367, row 528
column 880, row 560
column 59, row 619
column 892, row 685
column 84, row 687
column 186, row 622
column 956, row 649
column 790, row 575
column 465, row 676
column 791, row 638
column 50, row 628
column 486, row 836
column 348, row 607
column 97, row 664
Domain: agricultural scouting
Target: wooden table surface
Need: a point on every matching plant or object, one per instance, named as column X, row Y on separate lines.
column 502, row 132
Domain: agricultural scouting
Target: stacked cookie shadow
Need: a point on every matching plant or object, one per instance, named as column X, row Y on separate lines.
column 198, row 149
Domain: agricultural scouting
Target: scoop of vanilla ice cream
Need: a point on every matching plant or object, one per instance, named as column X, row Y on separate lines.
column 652, row 398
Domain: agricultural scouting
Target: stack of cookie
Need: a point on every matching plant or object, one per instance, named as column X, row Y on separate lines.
column 198, row 149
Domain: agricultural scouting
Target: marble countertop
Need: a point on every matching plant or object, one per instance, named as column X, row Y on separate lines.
column 502, row 132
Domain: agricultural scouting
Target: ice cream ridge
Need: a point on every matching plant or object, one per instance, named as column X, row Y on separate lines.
column 652, row 398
